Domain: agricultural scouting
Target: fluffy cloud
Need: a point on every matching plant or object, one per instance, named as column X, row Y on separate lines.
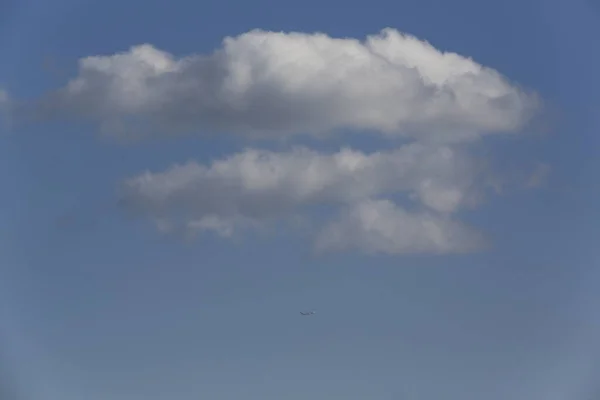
column 379, row 226
column 270, row 84
column 255, row 186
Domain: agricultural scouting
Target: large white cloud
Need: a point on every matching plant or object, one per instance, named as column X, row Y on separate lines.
column 271, row 84
column 257, row 186
column 275, row 85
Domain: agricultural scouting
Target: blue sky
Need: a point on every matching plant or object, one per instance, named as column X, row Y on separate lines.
column 97, row 303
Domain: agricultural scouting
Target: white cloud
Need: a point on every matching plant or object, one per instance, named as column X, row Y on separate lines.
column 379, row 226
column 272, row 84
column 256, row 186
column 275, row 85
column 260, row 183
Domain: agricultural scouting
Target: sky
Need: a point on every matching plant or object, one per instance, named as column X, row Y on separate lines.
column 182, row 179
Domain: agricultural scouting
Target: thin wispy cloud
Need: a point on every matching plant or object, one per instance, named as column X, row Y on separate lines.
column 5, row 109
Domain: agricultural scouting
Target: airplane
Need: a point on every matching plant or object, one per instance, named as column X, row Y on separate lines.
column 307, row 313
